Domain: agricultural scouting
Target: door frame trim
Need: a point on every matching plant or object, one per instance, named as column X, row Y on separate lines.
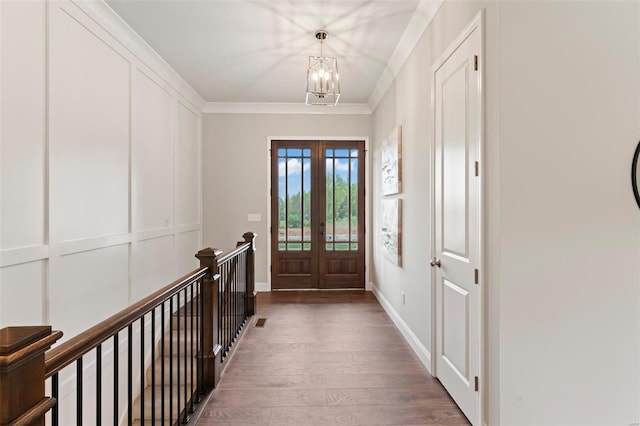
column 367, row 204
column 477, row 23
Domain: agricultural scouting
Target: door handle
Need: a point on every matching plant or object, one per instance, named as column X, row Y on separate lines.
column 435, row 262
column 321, row 232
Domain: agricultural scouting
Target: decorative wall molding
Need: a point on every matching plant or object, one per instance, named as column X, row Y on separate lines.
column 422, row 17
column 282, row 108
column 17, row 256
column 183, row 229
column 417, row 346
column 88, row 244
column 113, row 24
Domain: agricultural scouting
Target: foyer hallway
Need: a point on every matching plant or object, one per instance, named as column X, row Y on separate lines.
column 326, row 358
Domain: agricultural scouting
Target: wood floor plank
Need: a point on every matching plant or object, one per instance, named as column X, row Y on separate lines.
column 327, row 358
column 270, row 398
column 363, row 415
column 336, row 366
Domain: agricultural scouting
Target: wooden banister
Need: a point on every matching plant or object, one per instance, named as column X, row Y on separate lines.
column 250, row 237
column 71, row 350
column 22, row 378
column 233, row 253
column 211, row 348
column 26, row 359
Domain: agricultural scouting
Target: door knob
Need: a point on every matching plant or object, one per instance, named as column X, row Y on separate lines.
column 435, row 262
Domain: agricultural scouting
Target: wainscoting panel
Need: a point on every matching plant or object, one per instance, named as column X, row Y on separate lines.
column 152, row 261
column 89, row 131
column 153, row 135
column 93, row 125
column 187, row 245
column 22, row 124
column 187, row 167
column 21, row 300
column 87, row 286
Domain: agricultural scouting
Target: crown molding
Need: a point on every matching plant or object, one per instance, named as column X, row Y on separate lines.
column 113, row 24
column 282, row 108
column 419, row 22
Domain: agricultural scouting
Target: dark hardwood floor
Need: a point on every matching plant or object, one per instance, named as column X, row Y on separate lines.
column 326, row 358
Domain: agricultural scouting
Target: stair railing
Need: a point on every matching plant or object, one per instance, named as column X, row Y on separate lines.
column 181, row 324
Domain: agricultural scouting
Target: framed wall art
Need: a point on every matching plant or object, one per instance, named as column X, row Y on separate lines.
column 392, row 229
column 392, row 162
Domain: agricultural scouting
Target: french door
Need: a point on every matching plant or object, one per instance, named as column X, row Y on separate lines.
column 317, row 214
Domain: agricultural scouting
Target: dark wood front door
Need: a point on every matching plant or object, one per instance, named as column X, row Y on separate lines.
column 317, row 214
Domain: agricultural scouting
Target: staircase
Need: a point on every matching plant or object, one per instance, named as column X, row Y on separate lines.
column 172, row 374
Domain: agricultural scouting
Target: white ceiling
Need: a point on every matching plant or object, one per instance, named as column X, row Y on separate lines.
column 257, row 51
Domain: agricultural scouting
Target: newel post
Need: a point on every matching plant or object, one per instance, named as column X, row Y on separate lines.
column 22, row 349
column 212, row 351
column 250, row 237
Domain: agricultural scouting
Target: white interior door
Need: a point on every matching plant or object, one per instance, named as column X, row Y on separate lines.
column 458, row 132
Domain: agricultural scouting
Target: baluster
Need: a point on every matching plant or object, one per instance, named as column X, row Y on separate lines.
column 55, row 393
column 142, row 370
column 116, row 381
column 194, row 304
column 170, row 361
column 185, row 418
column 162, row 361
column 153, row 367
column 130, row 374
column 179, row 406
column 79, row 392
column 99, row 384
column 201, row 389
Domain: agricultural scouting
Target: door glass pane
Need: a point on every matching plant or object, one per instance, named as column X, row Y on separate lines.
column 294, row 199
column 282, row 205
column 354, row 200
column 306, row 198
column 341, row 200
column 329, row 200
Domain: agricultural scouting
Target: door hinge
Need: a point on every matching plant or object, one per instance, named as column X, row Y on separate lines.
column 476, row 276
column 271, row 229
column 475, row 62
column 477, row 384
column 270, row 268
column 271, row 189
column 477, row 168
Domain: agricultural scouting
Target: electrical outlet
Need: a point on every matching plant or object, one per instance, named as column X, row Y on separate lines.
column 404, row 299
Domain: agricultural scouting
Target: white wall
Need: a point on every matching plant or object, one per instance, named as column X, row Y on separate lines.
column 408, row 103
column 562, row 88
column 570, row 229
column 235, row 156
column 100, row 178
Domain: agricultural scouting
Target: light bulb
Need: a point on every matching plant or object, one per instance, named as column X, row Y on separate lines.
column 321, row 72
column 326, row 76
column 314, row 76
column 337, row 76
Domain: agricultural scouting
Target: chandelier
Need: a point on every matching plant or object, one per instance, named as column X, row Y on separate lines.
column 323, row 84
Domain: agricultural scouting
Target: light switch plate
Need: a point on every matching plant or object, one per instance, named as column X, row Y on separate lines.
column 254, row 217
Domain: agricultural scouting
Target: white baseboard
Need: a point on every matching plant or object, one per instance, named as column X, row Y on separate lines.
column 262, row 287
column 423, row 354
